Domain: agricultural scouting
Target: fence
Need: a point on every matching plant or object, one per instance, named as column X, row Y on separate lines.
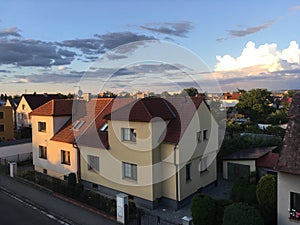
column 16, row 158
column 148, row 219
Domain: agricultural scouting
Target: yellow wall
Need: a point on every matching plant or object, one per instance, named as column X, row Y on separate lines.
column 26, row 122
column 7, row 121
column 53, row 163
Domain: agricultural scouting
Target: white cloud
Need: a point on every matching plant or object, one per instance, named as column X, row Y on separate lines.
column 262, row 59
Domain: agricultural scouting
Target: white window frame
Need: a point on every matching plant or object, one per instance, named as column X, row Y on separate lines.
column 129, row 170
column 42, row 126
column 128, row 134
column 65, row 157
column 203, row 165
column 93, row 163
column 42, row 152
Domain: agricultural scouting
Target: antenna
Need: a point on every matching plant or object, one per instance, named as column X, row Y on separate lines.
column 79, row 92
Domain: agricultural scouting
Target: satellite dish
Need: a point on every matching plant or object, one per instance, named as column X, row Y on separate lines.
column 79, row 93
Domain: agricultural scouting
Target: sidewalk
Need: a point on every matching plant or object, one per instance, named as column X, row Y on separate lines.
column 71, row 213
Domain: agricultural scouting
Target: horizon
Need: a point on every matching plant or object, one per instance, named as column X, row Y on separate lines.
column 45, row 48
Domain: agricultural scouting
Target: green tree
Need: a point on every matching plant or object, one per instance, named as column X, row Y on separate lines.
column 244, row 191
column 256, row 104
column 190, row 91
column 241, row 214
column 266, row 192
column 203, row 210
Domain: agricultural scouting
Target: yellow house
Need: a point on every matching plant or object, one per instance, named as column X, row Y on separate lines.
column 27, row 104
column 158, row 151
column 6, row 123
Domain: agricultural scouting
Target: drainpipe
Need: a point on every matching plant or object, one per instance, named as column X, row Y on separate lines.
column 78, row 162
column 176, row 175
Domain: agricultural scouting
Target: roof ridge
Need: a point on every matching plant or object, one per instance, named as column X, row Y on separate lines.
column 147, row 110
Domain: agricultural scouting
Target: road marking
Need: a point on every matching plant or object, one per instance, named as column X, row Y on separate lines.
column 31, row 205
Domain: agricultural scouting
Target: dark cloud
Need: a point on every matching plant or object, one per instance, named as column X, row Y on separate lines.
column 5, row 71
column 71, row 77
column 105, row 42
column 247, row 31
column 11, row 31
column 180, row 29
column 21, row 52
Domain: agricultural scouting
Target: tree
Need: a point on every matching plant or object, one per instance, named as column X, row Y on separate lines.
column 256, row 104
column 165, row 94
column 243, row 191
column 190, row 91
column 203, row 210
column 266, row 192
column 241, row 214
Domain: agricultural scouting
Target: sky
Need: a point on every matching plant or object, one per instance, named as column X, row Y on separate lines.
column 57, row 46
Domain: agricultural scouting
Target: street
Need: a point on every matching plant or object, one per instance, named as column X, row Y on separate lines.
column 13, row 211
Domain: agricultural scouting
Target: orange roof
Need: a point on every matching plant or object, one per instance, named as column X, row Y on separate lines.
column 268, row 161
column 231, row 96
column 55, row 107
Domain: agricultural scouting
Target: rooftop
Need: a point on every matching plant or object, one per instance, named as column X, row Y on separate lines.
column 289, row 158
column 250, row 153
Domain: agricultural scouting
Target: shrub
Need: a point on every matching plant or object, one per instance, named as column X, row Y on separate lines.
column 241, row 214
column 266, row 193
column 72, row 179
column 203, row 210
column 221, row 204
column 243, row 191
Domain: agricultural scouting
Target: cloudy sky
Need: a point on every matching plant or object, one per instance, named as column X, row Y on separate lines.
column 56, row 45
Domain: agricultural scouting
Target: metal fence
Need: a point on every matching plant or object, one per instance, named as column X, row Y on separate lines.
column 16, row 158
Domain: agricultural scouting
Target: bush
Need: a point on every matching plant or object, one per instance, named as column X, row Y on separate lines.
column 241, row 214
column 72, row 179
column 266, row 193
column 221, row 204
column 203, row 210
column 244, row 191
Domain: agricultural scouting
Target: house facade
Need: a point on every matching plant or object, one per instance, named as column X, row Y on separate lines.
column 6, row 123
column 155, row 150
column 289, row 169
column 29, row 102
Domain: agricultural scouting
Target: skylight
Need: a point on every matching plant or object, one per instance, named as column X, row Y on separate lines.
column 77, row 124
column 104, row 127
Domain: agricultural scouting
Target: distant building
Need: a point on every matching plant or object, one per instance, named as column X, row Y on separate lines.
column 28, row 103
column 289, row 169
column 13, row 104
column 6, row 123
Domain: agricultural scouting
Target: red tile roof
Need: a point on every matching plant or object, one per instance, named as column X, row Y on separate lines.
column 36, row 100
column 289, row 157
column 268, row 161
column 55, row 107
column 231, row 96
column 143, row 110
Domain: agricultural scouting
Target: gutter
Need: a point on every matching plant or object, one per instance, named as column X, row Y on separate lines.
column 176, row 176
column 78, row 161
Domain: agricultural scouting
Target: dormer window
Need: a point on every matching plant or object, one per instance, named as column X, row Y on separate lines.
column 128, row 134
column 104, row 127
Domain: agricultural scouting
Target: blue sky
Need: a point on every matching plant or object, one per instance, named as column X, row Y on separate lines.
column 48, row 46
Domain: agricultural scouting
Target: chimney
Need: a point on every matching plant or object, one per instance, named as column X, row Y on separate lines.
column 87, row 96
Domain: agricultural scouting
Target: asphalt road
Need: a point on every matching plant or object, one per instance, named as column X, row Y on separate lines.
column 13, row 212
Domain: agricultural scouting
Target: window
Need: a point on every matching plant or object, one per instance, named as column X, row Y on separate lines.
column 295, row 201
column 1, row 127
column 77, row 124
column 199, row 137
column 43, row 152
column 42, row 126
column 21, row 116
column 23, row 106
column 1, row 115
column 104, row 127
column 129, row 171
column 188, row 172
column 45, row 171
column 93, row 162
column 65, row 157
column 205, row 135
column 128, row 134
column 203, row 165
